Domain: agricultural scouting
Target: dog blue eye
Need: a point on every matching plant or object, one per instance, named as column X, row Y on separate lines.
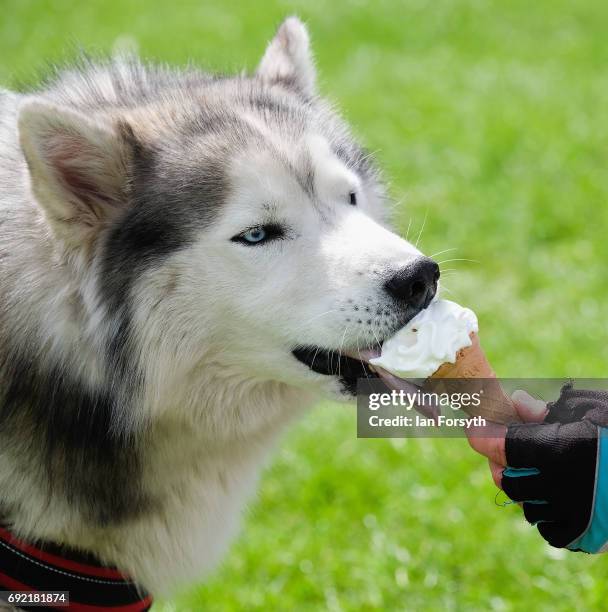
column 254, row 235
column 260, row 234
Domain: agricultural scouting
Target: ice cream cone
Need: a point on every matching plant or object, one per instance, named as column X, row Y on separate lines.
column 475, row 374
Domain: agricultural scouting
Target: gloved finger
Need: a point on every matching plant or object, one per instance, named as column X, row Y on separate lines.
column 529, row 444
column 529, row 409
column 547, row 445
column 525, row 488
column 559, row 533
column 535, row 513
column 573, row 404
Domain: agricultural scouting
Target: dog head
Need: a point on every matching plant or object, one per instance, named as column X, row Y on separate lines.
column 230, row 225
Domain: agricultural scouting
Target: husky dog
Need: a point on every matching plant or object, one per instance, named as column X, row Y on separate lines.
column 186, row 262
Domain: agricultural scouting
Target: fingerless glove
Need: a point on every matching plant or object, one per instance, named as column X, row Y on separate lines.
column 559, row 470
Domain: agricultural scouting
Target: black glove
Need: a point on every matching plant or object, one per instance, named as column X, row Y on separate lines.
column 559, row 470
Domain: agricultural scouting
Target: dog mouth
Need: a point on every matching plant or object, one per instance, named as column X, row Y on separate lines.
column 348, row 366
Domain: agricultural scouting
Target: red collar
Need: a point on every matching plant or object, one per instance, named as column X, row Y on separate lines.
column 92, row 586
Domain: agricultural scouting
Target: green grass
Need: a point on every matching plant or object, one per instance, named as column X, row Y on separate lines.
column 489, row 118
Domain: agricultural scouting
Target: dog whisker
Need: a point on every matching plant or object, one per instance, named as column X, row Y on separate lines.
column 315, row 356
column 451, row 293
column 442, row 252
column 407, row 233
column 346, row 327
column 359, row 353
column 318, row 316
column 422, row 228
column 378, row 343
column 458, row 259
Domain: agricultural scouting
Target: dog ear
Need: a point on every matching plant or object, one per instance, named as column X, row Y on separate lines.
column 288, row 58
column 78, row 168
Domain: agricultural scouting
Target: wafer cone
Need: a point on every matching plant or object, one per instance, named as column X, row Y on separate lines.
column 476, row 375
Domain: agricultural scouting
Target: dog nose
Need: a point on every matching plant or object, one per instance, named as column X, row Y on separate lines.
column 415, row 284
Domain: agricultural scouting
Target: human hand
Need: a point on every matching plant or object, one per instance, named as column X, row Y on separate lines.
column 558, row 468
column 489, row 440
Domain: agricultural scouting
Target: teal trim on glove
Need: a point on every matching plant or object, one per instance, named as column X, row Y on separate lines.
column 595, row 537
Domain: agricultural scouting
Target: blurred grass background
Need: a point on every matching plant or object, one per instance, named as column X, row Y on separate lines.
column 490, row 120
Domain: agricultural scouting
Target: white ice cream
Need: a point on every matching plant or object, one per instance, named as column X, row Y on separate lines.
column 431, row 338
